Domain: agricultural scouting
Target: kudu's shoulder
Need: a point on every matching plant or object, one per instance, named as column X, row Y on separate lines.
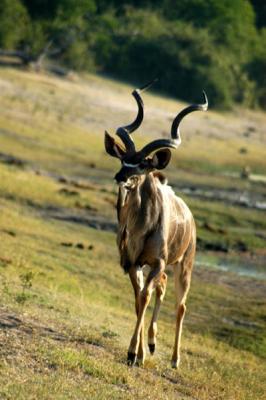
column 162, row 184
column 169, row 198
column 160, row 177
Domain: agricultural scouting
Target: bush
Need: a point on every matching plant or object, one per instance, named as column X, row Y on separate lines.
column 257, row 70
column 190, row 44
column 14, row 22
column 185, row 58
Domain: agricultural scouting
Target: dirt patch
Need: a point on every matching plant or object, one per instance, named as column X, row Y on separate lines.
column 93, row 221
column 245, row 286
column 243, row 198
column 11, row 160
column 11, row 321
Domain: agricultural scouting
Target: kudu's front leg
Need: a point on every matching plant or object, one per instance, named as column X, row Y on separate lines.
column 157, row 268
column 136, row 277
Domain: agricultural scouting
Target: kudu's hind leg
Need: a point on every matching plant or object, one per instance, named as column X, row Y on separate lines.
column 182, row 277
column 136, row 277
column 160, row 293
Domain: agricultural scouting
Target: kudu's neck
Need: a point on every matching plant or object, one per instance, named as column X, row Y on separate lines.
column 141, row 207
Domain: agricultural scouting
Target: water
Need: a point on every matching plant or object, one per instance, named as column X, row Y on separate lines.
column 242, row 198
column 242, row 266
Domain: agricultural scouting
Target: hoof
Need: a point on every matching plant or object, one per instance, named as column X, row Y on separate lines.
column 175, row 364
column 140, row 362
column 131, row 358
column 152, row 348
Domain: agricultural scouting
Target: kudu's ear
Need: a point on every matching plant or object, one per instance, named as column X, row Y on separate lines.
column 161, row 158
column 113, row 148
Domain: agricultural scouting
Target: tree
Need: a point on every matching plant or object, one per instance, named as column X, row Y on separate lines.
column 257, row 68
column 260, row 10
column 185, row 58
column 14, row 23
column 49, row 9
column 231, row 23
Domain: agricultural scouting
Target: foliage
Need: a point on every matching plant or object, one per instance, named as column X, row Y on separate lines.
column 257, row 68
column 260, row 9
column 190, row 44
column 13, row 23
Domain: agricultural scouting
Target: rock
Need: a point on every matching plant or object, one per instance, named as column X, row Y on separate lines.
column 62, row 179
column 245, row 173
column 222, row 231
column 9, row 232
column 209, row 227
column 11, row 160
column 85, row 206
column 68, row 192
column 66, row 244
column 212, row 246
column 4, row 261
column 241, row 246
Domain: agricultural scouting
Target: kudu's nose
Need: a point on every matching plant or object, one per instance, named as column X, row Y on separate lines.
column 119, row 177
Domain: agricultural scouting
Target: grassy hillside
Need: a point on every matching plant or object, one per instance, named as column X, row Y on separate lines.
column 67, row 309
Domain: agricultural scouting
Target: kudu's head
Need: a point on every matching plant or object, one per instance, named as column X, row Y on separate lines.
column 137, row 163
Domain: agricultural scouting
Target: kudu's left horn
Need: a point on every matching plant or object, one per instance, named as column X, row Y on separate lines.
column 124, row 131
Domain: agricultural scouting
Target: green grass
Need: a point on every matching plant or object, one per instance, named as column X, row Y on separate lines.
column 67, row 312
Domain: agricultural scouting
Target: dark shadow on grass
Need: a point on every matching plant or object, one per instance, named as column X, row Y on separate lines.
column 9, row 320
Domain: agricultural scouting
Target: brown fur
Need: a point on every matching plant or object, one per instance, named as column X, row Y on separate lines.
column 153, row 223
column 156, row 228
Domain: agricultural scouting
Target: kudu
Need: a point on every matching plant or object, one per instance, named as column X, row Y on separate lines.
column 156, row 228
